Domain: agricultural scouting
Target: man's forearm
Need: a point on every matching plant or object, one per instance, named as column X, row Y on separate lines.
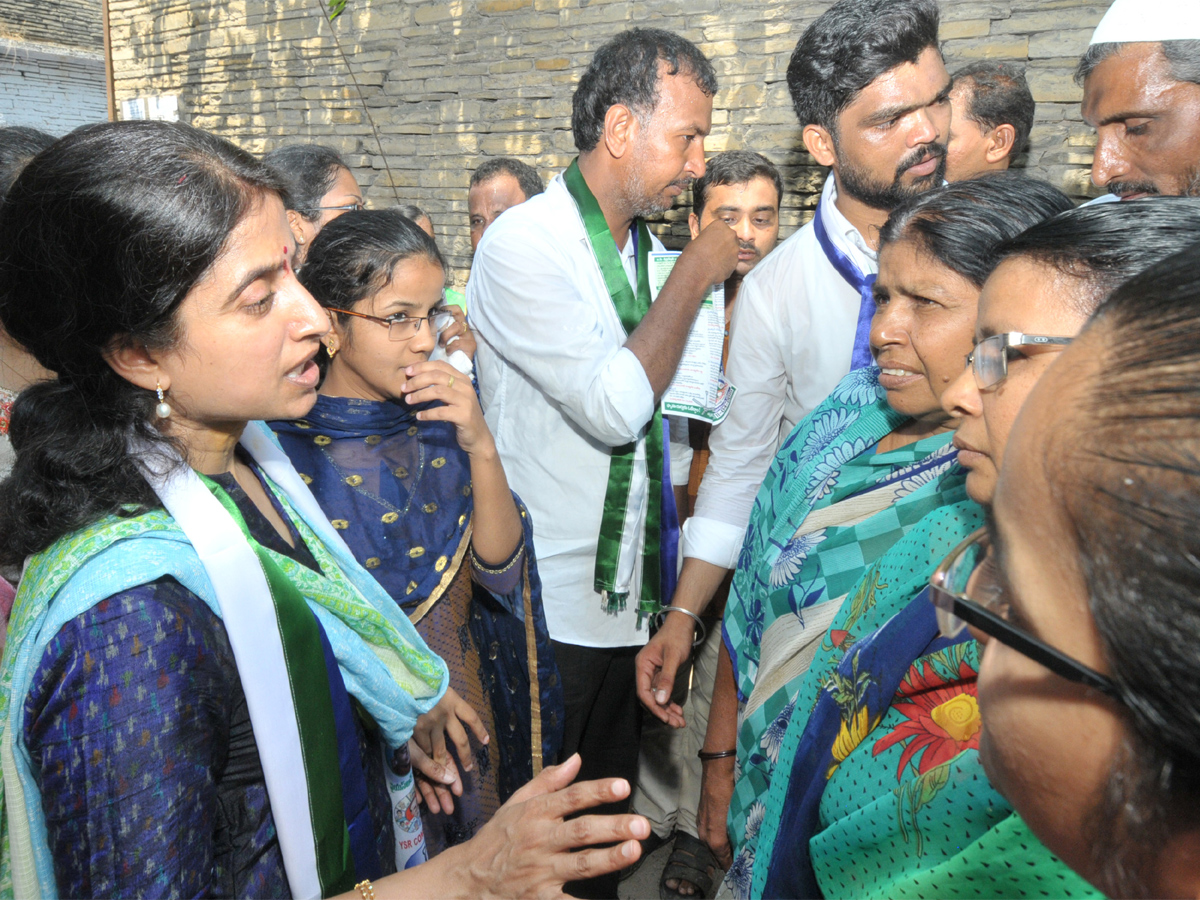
column 698, row 582
column 722, row 715
column 659, row 340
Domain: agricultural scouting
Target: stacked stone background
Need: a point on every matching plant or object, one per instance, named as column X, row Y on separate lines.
column 62, row 23
column 52, row 78
column 448, row 84
column 50, row 90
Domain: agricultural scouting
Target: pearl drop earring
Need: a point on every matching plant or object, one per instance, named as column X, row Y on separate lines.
column 164, row 408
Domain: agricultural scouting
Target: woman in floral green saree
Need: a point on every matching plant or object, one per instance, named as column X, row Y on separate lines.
column 862, row 501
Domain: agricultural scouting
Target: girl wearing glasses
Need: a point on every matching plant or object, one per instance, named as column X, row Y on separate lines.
column 397, row 453
column 1049, row 281
column 1088, row 679
column 843, row 788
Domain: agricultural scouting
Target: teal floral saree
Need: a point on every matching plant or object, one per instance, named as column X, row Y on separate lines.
column 858, row 771
column 829, row 508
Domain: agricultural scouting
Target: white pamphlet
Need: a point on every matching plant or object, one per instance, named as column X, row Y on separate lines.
column 699, row 389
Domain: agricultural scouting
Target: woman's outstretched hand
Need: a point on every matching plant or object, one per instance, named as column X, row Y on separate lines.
column 530, row 848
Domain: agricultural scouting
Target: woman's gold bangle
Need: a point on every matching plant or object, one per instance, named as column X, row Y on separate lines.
column 516, row 557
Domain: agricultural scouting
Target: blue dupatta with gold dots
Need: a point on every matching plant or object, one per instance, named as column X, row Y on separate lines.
column 398, row 490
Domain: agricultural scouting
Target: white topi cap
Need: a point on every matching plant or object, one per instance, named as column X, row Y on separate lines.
column 1128, row 21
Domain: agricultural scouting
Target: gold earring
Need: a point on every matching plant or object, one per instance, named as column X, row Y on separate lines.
column 331, row 349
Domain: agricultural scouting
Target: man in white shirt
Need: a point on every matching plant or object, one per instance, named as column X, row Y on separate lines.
column 871, row 92
column 743, row 189
column 497, row 185
column 571, row 367
column 1141, row 92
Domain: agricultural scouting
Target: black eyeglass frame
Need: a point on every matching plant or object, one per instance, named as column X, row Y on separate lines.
column 983, row 619
column 1006, row 340
column 399, row 318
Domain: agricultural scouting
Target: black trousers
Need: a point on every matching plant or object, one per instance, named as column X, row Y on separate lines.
column 604, row 725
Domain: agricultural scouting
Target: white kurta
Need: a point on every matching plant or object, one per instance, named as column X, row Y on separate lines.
column 559, row 392
column 791, row 339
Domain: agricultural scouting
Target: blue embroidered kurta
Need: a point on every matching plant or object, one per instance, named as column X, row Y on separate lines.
column 149, row 771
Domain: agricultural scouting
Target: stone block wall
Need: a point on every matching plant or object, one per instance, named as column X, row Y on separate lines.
column 430, row 88
column 53, row 90
column 62, row 23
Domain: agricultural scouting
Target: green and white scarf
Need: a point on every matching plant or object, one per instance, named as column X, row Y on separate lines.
column 613, row 574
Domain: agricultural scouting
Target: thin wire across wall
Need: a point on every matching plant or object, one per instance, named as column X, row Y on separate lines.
column 330, row 12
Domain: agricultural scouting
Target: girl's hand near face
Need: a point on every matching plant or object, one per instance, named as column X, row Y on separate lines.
column 438, row 380
column 497, row 524
column 458, row 336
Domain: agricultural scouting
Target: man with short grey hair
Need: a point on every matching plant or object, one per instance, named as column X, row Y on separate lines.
column 1141, row 92
column 993, row 115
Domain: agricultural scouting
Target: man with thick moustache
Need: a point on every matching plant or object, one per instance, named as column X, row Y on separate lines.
column 871, row 92
column 573, row 359
column 1141, row 92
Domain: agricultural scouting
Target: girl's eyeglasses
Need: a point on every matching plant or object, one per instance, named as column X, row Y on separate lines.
column 403, row 327
column 346, row 207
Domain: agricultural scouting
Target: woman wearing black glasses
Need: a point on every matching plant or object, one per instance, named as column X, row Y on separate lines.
column 402, row 463
column 320, row 188
column 1050, row 280
column 1089, row 597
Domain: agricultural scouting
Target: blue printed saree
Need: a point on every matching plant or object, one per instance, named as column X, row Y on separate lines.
column 117, row 644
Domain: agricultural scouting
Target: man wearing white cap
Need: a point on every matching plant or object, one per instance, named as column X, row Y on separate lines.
column 1141, row 92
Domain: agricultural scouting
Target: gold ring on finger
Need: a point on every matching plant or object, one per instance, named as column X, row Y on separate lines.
column 450, row 383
